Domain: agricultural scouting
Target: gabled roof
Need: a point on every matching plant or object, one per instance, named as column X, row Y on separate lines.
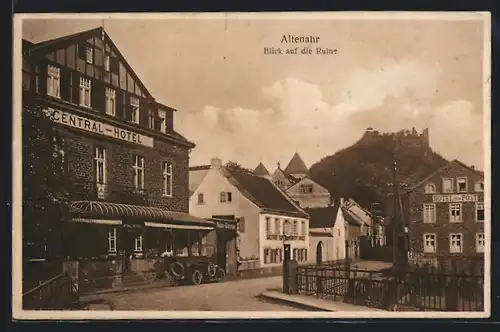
column 261, row 170
column 84, row 35
column 350, row 218
column 322, row 217
column 455, row 161
column 262, row 192
column 297, row 181
column 200, row 168
column 289, row 177
column 296, row 165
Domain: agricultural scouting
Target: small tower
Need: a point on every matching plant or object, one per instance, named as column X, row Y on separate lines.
column 261, row 170
column 296, row 167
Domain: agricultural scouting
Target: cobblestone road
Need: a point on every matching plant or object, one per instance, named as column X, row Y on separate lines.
column 237, row 295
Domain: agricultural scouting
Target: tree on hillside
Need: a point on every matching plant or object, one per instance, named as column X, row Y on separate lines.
column 45, row 180
column 363, row 171
column 236, row 165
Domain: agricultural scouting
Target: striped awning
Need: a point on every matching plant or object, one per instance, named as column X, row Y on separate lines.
column 116, row 211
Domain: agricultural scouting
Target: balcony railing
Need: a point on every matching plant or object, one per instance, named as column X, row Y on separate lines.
column 110, row 192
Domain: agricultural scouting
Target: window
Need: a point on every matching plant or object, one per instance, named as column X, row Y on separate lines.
column 151, row 118
column 462, row 185
column 447, row 185
column 295, row 254
column 277, row 226
column 269, row 226
column 430, row 188
column 456, row 243
column 106, row 62
column 167, row 179
column 480, row 242
column 134, row 103
column 479, row 211
column 429, row 213
column 138, row 243
column 89, row 52
column 226, row 197
column 54, row 81
column 138, row 168
column 277, row 256
column 455, row 212
column 201, row 199
column 112, row 240
column 162, row 115
column 295, row 228
column 267, row 256
column 306, row 188
column 303, row 228
column 430, row 242
column 479, row 186
column 241, row 225
column 85, row 92
column 100, row 164
column 110, row 101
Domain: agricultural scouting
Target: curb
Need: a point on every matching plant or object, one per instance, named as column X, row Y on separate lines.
column 291, row 303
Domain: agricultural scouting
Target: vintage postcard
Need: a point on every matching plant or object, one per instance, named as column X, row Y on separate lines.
column 251, row 165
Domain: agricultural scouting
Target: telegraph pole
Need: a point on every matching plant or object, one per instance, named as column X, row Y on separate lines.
column 394, row 214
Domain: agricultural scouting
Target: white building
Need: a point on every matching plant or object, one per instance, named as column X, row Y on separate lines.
column 263, row 211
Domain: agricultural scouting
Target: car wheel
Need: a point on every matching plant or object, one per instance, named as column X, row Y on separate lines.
column 219, row 275
column 177, row 269
column 196, row 277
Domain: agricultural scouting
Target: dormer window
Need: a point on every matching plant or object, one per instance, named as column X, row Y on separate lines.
column 106, row 63
column 162, row 117
column 430, row 188
column 134, row 103
column 89, row 54
column 53, row 81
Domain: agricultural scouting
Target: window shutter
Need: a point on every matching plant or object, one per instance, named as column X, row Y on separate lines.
column 42, row 77
column 97, row 94
column 113, row 65
column 65, row 84
column 119, row 104
column 170, row 121
column 75, row 88
column 143, row 112
column 82, row 51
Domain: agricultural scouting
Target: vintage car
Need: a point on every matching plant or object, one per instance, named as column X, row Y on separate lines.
column 193, row 269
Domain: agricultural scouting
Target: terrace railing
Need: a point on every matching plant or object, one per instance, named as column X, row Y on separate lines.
column 401, row 291
column 110, row 192
column 57, row 293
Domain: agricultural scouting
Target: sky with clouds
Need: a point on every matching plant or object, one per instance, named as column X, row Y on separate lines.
column 238, row 104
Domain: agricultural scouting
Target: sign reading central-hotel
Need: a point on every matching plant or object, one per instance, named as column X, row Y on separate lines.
column 97, row 127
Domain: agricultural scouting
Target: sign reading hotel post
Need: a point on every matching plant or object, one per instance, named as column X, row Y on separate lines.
column 460, row 198
column 97, row 127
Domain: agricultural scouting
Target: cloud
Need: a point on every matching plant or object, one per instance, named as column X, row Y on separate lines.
column 390, row 96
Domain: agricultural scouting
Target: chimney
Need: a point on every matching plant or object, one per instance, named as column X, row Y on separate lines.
column 215, row 163
column 473, row 167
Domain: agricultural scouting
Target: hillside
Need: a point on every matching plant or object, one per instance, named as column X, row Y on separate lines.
column 363, row 171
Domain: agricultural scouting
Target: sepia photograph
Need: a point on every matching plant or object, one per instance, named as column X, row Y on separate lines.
column 251, row 165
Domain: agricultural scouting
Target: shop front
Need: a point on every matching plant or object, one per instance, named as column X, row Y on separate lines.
column 106, row 241
column 226, row 251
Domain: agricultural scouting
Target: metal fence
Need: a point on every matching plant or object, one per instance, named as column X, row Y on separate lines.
column 57, row 293
column 391, row 290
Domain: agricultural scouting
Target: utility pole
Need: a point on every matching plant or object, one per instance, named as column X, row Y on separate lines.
column 394, row 214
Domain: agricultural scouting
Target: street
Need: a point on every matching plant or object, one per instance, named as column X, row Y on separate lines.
column 240, row 295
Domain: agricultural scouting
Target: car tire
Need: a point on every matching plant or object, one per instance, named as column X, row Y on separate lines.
column 196, row 277
column 177, row 270
column 219, row 275
column 211, row 270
